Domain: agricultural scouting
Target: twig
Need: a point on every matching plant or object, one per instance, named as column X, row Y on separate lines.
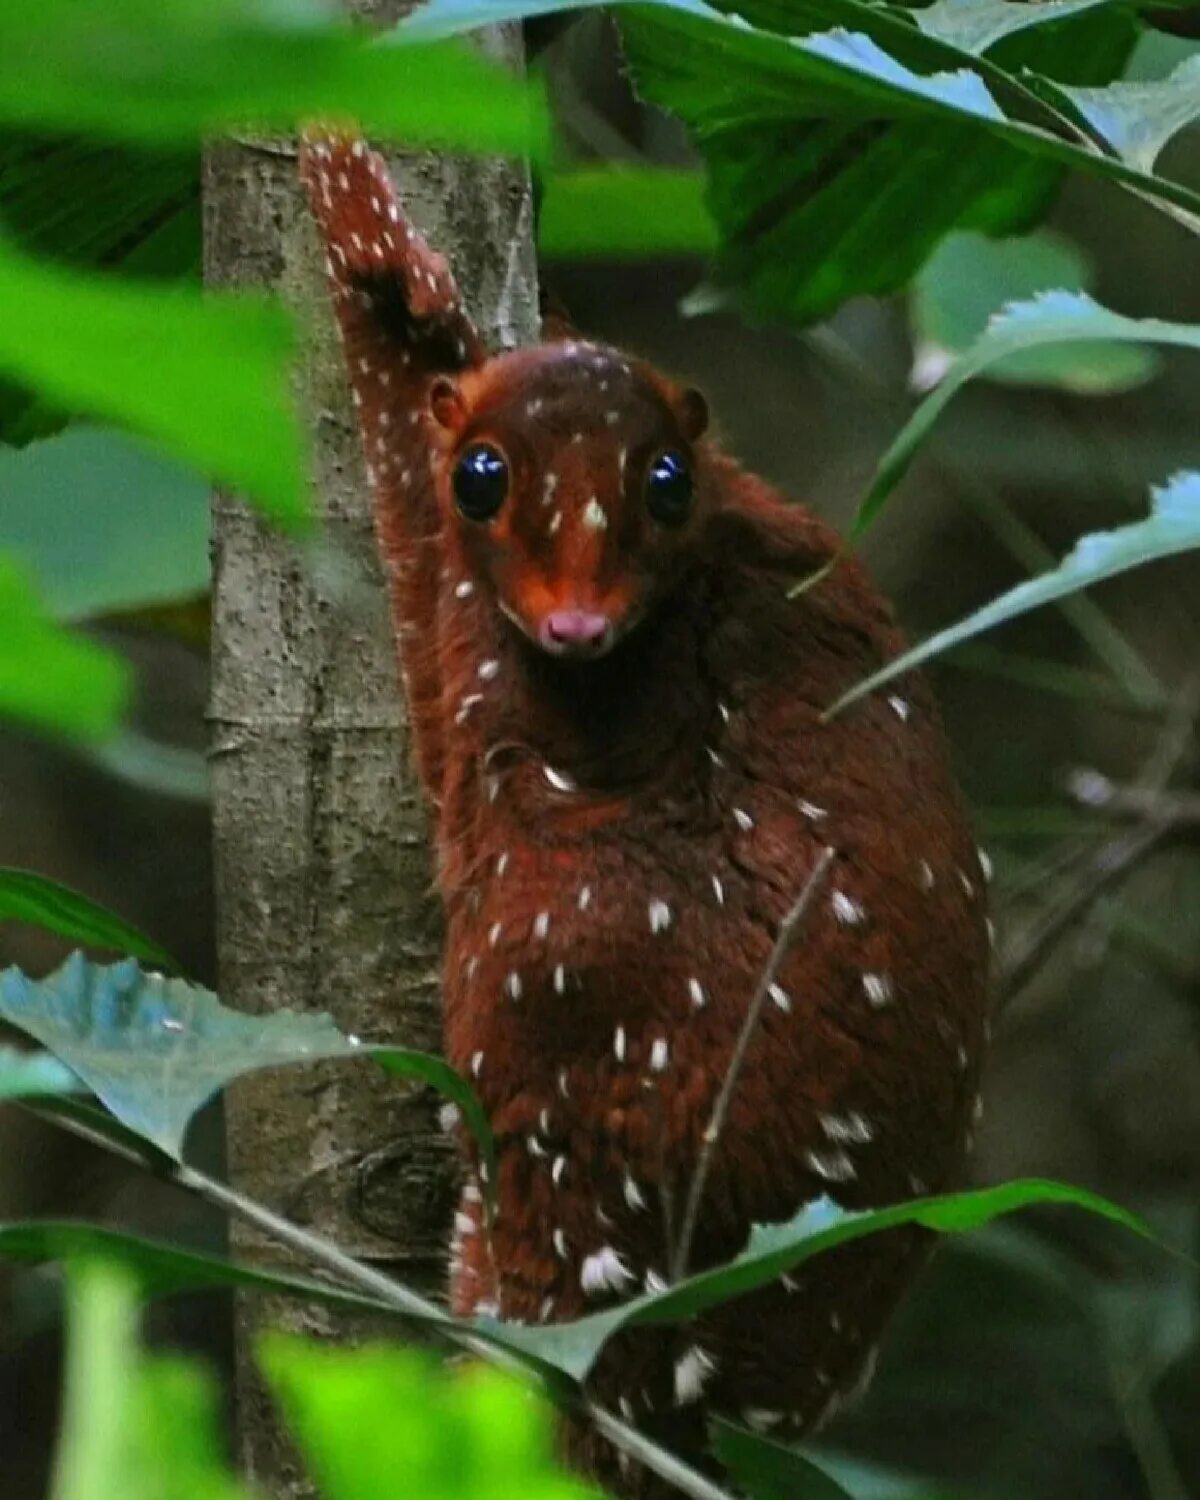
column 788, row 930
column 322, row 1252
column 1116, row 858
column 1114, row 861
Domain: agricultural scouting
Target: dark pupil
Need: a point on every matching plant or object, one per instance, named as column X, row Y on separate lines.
column 669, row 488
column 480, row 482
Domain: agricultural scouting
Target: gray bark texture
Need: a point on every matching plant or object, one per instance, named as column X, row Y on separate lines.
column 322, row 869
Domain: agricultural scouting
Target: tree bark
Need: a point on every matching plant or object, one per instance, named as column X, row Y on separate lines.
column 322, row 873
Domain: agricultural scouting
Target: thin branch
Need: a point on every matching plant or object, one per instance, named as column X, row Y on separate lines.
column 788, row 931
column 1116, row 858
column 322, row 1252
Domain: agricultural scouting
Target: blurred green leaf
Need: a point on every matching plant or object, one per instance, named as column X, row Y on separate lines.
column 1173, row 526
column 133, row 1428
column 98, row 1402
column 50, row 678
column 28, row 897
column 767, row 1470
column 26, row 1074
column 619, row 211
column 104, row 523
column 139, row 71
column 205, row 375
column 1050, row 319
column 366, row 1417
column 976, row 25
column 1136, row 119
column 969, row 277
column 775, row 1249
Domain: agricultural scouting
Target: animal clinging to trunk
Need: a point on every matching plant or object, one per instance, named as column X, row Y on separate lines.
column 617, row 714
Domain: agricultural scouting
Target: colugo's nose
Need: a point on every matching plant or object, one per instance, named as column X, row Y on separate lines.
column 574, row 630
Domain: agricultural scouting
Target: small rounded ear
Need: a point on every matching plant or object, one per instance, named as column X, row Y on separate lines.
column 446, row 404
column 693, row 413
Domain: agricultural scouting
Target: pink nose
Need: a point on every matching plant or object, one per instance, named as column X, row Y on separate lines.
column 574, row 630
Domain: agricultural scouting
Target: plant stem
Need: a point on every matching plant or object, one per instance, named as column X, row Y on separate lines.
column 400, row 1298
column 788, row 930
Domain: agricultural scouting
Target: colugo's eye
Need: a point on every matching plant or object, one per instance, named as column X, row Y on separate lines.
column 669, row 488
column 480, row 482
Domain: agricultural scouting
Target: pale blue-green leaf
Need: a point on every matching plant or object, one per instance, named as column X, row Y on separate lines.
column 962, row 91
column 52, row 679
column 1052, row 318
column 970, row 276
column 205, row 375
column 154, row 1049
column 103, row 523
column 766, row 1470
column 1173, row 526
column 1138, row 119
column 27, row 1074
column 975, row 25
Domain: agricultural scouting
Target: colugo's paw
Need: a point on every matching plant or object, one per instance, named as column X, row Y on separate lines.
column 377, row 262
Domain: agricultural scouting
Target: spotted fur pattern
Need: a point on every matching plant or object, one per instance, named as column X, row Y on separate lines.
column 618, row 839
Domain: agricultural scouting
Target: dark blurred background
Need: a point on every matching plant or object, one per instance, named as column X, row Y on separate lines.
column 1049, row 1358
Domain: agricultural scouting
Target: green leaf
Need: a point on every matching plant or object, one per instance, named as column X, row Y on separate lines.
column 767, row 1470
column 1053, row 318
column 623, row 211
column 104, row 523
column 178, row 73
column 362, row 1418
column 26, row 897
column 153, row 1049
column 161, row 1269
column 1137, row 119
column 1173, row 526
column 976, row 25
column 820, row 165
column 25, row 1075
column 775, row 1249
column 969, row 277
column 50, row 678
column 205, row 375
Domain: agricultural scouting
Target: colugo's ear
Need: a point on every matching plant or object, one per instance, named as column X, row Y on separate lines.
column 693, row 413
column 446, row 404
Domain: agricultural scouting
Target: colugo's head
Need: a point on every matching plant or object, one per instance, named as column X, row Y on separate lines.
column 574, row 481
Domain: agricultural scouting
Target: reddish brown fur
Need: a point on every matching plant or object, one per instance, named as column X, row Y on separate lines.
column 689, row 766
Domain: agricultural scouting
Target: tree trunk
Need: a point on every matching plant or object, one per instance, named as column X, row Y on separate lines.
column 322, row 873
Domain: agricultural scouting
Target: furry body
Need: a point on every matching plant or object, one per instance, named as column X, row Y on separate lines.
column 619, row 837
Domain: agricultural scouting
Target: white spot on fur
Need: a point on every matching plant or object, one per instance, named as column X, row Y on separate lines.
column 476, row 1064
column 743, row 819
column 718, row 890
column 781, row 997
column 560, row 1244
column 692, row 1370
column 541, row 924
column 879, row 990
column 558, row 779
column 513, row 986
column 696, row 991
column 660, row 1055
column 660, row 915
column 489, row 669
column 833, row 1166
column 847, row 911
column 594, row 516
column 925, row 871
column 811, row 811
column 605, row 1271
column 899, row 706
column 585, row 897
column 632, row 1193
column 494, row 932
column 619, row 1044
column 848, row 1129
column 560, row 979
column 464, row 590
